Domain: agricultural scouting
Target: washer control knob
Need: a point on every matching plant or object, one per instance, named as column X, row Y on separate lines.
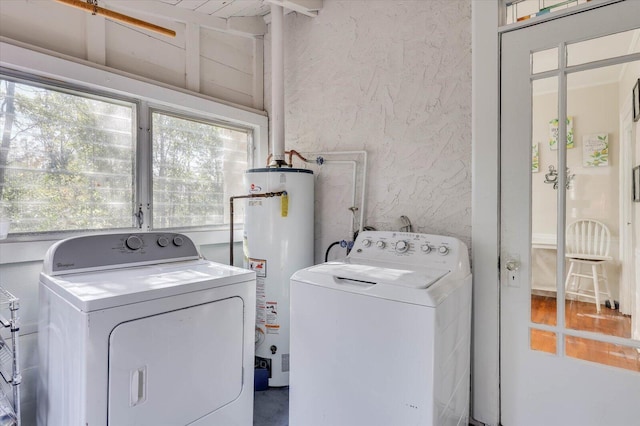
column 133, row 242
column 163, row 241
column 426, row 248
column 381, row 244
column 366, row 242
column 402, row 246
column 178, row 241
column 443, row 250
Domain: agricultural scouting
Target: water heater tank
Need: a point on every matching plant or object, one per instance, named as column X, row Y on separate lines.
column 278, row 241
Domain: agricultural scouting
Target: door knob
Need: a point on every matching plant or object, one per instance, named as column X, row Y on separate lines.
column 512, row 265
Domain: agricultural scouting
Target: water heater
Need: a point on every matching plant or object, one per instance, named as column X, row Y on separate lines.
column 278, row 241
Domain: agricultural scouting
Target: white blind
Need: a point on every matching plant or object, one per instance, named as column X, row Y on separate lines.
column 66, row 160
column 197, row 166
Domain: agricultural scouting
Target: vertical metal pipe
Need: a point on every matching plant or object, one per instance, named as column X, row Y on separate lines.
column 277, row 85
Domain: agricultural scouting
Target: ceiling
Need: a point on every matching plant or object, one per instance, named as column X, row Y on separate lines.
column 244, row 17
column 223, row 8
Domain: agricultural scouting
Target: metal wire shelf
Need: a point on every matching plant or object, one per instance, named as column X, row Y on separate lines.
column 9, row 361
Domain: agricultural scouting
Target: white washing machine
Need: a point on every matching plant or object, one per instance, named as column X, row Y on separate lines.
column 383, row 336
column 137, row 329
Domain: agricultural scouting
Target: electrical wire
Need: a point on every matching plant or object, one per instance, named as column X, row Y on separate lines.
column 326, row 255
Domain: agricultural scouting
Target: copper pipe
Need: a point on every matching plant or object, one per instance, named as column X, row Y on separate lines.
column 297, row 154
column 118, row 17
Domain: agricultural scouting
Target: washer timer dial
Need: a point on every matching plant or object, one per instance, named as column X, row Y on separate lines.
column 402, row 246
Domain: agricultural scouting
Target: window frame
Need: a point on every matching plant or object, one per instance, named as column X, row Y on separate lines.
column 91, row 79
column 93, row 94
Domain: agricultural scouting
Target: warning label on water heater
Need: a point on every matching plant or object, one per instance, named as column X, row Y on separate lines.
column 261, row 302
column 259, row 266
column 272, row 324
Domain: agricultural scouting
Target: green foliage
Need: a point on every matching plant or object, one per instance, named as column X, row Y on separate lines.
column 188, row 172
column 70, row 162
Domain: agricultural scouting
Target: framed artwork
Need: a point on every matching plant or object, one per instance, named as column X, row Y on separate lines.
column 595, row 150
column 636, row 101
column 553, row 133
column 535, row 159
column 636, row 184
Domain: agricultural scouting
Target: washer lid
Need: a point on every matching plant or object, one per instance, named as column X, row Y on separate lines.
column 380, row 273
column 95, row 290
column 418, row 286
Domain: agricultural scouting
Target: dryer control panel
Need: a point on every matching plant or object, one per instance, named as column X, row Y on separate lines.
column 411, row 249
column 108, row 251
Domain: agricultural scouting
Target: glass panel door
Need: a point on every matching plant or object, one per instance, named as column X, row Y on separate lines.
column 569, row 246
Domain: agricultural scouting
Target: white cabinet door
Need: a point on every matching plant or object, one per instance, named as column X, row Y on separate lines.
column 176, row 367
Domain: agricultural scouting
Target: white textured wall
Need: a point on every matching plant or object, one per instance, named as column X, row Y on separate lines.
column 392, row 78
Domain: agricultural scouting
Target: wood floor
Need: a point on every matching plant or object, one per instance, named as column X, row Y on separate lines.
column 583, row 316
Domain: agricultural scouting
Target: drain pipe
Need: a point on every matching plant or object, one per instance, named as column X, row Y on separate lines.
column 263, row 195
column 277, row 86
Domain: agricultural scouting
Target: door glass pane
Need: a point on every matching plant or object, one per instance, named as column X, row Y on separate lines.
column 544, row 60
column 603, row 353
column 543, row 340
column 543, row 202
column 612, row 46
column 597, row 278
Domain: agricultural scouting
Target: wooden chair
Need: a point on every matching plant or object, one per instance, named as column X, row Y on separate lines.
column 588, row 243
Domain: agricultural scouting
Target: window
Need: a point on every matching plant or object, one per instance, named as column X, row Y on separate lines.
column 66, row 159
column 521, row 10
column 68, row 162
column 197, row 166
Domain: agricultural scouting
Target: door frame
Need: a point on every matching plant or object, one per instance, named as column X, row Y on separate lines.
column 487, row 29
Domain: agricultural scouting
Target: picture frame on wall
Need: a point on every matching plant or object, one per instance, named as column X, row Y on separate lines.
column 553, row 133
column 636, row 101
column 636, row 184
column 595, row 150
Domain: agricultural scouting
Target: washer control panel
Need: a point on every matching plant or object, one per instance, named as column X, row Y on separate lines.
column 409, row 248
column 116, row 250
